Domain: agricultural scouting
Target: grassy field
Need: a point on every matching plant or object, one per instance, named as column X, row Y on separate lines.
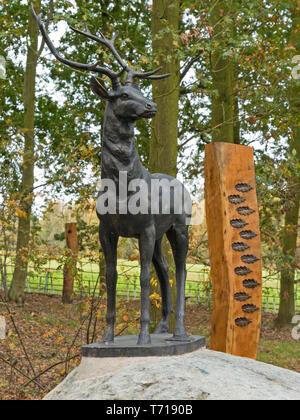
column 49, row 279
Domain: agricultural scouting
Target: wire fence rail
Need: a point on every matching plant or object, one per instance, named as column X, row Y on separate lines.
column 48, row 279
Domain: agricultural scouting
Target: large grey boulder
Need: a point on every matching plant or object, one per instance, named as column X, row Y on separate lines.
column 201, row 375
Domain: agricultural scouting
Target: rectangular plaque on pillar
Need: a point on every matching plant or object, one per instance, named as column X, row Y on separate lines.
column 234, row 248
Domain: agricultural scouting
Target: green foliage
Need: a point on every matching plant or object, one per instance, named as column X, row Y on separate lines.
column 68, row 118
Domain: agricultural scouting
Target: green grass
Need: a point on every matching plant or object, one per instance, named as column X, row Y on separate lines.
column 280, row 353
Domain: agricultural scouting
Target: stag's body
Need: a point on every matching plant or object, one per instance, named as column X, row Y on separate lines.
column 125, row 105
column 119, row 154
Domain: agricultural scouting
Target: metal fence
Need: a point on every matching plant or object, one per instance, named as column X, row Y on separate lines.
column 48, row 279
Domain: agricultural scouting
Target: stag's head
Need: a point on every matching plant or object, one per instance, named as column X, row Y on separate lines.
column 127, row 101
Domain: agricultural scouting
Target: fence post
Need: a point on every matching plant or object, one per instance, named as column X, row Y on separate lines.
column 52, row 288
column 40, row 281
column 3, row 277
column 274, row 305
column 71, row 265
column 28, row 285
column 46, row 282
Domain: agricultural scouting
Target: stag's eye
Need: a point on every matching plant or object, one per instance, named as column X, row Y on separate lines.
column 124, row 96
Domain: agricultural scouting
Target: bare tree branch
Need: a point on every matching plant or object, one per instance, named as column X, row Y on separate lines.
column 190, row 64
column 49, row 18
column 21, row 373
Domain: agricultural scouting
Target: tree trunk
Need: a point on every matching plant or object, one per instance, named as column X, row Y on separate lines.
column 289, row 239
column 164, row 134
column 223, row 103
column 164, row 138
column 16, row 292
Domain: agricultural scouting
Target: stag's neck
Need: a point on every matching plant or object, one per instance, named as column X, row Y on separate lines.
column 118, row 148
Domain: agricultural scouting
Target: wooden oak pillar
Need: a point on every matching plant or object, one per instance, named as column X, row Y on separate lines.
column 70, row 266
column 234, row 248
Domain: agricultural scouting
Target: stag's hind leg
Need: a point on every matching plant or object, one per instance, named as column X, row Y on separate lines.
column 109, row 242
column 179, row 240
column 146, row 245
column 162, row 270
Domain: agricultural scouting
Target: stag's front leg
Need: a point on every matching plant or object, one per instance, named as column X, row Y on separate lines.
column 109, row 243
column 179, row 240
column 146, row 245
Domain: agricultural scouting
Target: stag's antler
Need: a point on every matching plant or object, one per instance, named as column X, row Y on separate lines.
column 132, row 74
column 80, row 66
column 109, row 43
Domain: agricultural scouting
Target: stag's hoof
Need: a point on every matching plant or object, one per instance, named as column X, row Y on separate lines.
column 108, row 336
column 180, row 335
column 162, row 328
column 144, row 338
column 181, row 338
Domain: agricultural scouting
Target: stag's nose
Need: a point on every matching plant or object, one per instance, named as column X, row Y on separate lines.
column 151, row 106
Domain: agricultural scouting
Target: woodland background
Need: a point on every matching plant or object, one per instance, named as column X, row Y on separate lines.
column 233, row 80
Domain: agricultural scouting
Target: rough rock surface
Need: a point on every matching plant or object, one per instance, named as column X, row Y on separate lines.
column 201, row 375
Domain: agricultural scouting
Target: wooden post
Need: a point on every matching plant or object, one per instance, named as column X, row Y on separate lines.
column 234, row 248
column 70, row 267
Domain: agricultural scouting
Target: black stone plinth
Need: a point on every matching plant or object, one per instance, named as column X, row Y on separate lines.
column 161, row 345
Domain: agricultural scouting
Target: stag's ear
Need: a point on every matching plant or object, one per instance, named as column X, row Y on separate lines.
column 99, row 90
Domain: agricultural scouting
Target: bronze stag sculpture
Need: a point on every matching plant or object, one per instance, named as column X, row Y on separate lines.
column 125, row 105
